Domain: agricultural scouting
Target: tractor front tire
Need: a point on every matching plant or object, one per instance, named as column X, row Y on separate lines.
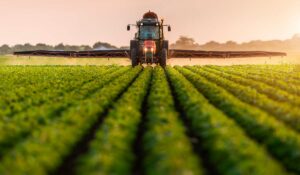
column 163, row 58
column 134, row 59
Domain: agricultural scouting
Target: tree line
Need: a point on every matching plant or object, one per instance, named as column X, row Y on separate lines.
column 6, row 49
column 289, row 45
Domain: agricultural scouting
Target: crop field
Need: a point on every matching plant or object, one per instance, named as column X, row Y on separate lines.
column 119, row 120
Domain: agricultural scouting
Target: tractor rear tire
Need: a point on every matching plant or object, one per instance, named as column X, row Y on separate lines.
column 134, row 58
column 163, row 58
column 166, row 44
column 133, row 44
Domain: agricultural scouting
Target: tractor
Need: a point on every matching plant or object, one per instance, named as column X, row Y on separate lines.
column 149, row 45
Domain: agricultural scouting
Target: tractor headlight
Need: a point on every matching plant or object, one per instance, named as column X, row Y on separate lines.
column 149, row 49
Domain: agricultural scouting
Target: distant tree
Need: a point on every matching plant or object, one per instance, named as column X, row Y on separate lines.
column 18, row 47
column 60, row 46
column 72, row 48
column 103, row 44
column 42, row 46
column 230, row 45
column 185, row 42
column 212, row 45
column 5, row 49
column 85, row 47
column 28, row 47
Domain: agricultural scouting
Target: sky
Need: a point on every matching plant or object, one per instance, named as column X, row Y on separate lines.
column 87, row 21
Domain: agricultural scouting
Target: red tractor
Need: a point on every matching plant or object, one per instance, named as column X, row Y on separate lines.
column 149, row 45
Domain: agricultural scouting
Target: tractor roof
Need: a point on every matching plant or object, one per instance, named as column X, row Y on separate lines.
column 150, row 15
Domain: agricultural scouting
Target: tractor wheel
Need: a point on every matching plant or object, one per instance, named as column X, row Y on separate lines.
column 163, row 58
column 134, row 59
column 166, row 46
column 133, row 44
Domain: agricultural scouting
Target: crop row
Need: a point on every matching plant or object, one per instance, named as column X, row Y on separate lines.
column 32, row 76
column 288, row 77
column 22, row 124
column 229, row 150
column 111, row 150
column 282, row 111
column 288, row 70
column 270, row 91
column 282, row 142
column 166, row 147
column 27, row 97
column 45, row 149
column 290, row 88
column 16, row 100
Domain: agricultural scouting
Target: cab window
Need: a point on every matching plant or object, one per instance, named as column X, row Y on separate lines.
column 149, row 32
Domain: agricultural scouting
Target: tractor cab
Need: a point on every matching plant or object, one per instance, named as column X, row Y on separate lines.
column 149, row 45
column 148, row 32
column 149, row 28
